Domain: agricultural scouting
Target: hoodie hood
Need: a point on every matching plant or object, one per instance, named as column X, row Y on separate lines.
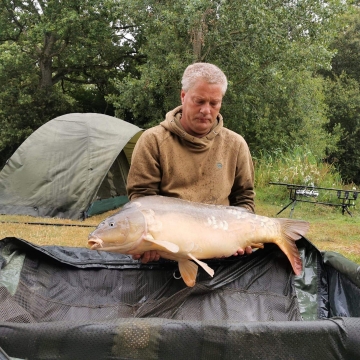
column 172, row 124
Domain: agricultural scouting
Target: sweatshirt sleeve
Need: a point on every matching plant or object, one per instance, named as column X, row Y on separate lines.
column 242, row 192
column 145, row 173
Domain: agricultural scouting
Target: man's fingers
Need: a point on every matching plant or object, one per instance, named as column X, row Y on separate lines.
column 147, row 256
column 152, row 255
column 239, row 251
column 248, row 250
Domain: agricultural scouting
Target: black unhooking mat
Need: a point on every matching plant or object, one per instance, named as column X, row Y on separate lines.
column 74, row 303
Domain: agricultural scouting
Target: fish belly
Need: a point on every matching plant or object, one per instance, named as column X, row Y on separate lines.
column 210, row 236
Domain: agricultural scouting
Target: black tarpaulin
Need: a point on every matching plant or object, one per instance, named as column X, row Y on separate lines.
column 74, row 303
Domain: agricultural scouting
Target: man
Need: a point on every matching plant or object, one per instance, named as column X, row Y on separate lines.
column 190, row 155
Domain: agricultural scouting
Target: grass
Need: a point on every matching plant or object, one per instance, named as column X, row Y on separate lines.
column 52, row 233
column 329, row 229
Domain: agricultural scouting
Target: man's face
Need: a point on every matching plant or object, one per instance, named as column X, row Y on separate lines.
column 201, row 106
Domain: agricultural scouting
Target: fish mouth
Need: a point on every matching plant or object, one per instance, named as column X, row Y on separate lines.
column 95, row 243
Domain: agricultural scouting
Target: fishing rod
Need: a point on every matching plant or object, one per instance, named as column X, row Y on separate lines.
column 298, row 192
column 43, row 223
column 355, row 192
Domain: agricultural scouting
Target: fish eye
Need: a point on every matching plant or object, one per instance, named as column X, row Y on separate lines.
column 112, row 224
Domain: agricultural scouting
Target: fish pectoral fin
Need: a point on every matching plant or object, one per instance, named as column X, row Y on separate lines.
column 188, row 271
column 257, row 245
column 164, row 244
column 205, row 266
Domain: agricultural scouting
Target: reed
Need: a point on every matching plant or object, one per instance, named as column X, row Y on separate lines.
column 298, row 166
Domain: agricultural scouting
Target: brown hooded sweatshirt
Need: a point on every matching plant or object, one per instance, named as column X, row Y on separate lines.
column 214, row 169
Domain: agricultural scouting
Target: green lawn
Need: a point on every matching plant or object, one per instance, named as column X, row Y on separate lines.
column 329, row 229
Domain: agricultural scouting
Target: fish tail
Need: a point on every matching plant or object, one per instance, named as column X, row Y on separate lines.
column 292, row 230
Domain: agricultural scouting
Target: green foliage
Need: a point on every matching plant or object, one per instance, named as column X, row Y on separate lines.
column 145, row 96
column 70, row 41
column 269, row 51
column 127, row 58
column 343, row 98
column 342, row 94
column 24, row 106
column 297, row 166
column 347, row 46
column 57, row 57
column 291, row 113
column 33, row 107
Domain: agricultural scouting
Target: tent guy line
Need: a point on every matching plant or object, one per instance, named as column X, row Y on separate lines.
column 42, row 223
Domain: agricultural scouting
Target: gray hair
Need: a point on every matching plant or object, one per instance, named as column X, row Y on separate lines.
column 205, row 71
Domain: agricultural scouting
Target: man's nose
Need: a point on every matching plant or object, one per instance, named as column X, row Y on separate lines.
column 205, row 109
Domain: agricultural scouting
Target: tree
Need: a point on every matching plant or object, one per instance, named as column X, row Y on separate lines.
column 342, row 97
column 71, row 41
column 268, row 49
column 23, row 105
column 347, row 46
column 343, row 100
column 57, row 55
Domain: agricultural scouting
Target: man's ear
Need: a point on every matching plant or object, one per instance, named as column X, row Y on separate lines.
column 182, row 95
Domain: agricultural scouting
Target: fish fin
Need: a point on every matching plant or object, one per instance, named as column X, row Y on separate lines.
column 164, row 244
column 294, row 229
column 257, row 245
column 291, row 231
column 205, row 266
column 188, row 271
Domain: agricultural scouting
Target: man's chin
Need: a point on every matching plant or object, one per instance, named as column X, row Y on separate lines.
column 202, row 132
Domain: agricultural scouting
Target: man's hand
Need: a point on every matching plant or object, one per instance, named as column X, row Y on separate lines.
column 147, row 256
column 152, row 255
column 248, row 250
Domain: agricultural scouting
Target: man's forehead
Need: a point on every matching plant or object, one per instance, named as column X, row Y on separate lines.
column 206, row 96
column 205, row 90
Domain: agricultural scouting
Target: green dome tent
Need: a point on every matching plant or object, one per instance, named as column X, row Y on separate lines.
column 74, row 166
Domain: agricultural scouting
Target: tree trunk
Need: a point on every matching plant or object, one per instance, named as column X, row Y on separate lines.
column 198, row 35
column 45, row 61
column 197, row 43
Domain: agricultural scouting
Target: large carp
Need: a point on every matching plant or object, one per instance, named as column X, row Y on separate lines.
column 183, row 231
